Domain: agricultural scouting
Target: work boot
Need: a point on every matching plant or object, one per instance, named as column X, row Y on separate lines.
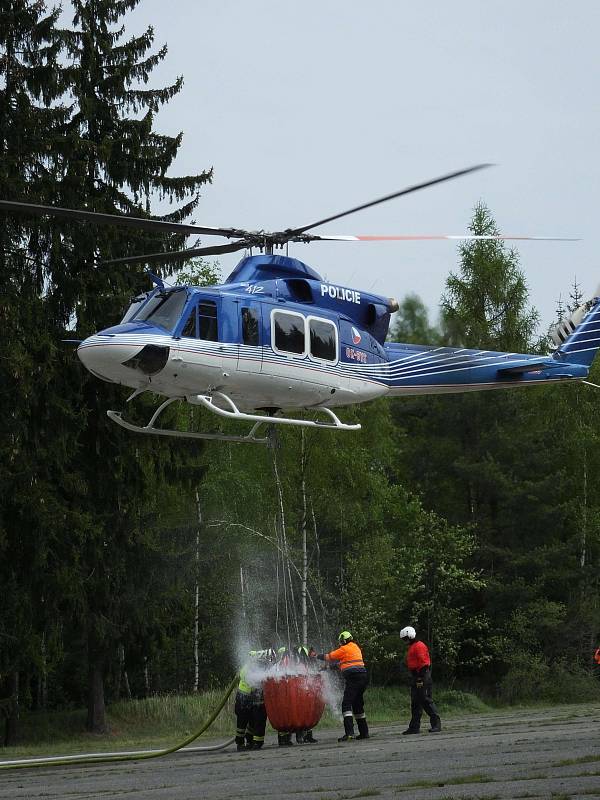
column 408, row 731
column 257, row 745
column 284, row 740
column 348, row 728
column 436, row 725
column 363, row 728
column 346, row 738
column 299, row 738
column 310, row 739
column 239, row 741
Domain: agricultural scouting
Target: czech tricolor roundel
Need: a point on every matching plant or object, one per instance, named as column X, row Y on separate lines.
column 355, row 336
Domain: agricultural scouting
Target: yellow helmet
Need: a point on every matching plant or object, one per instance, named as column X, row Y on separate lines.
column 345, row 636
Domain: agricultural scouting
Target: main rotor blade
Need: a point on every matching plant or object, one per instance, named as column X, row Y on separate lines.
column 417, row 187
column 179, row 255
column 116, row 219
column 456, row 237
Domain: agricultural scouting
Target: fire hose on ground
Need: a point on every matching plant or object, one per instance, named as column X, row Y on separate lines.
column 140, row 755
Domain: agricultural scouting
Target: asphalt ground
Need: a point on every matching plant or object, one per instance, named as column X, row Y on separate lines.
column 529, row 753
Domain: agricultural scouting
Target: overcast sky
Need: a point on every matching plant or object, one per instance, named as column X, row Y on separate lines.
column 305, row 109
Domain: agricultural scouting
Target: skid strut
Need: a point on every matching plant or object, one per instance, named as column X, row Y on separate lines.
column 232, row 412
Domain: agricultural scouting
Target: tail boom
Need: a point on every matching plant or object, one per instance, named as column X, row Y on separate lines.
column 445, row 370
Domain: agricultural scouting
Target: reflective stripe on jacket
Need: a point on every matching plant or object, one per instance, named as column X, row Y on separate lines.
column 348, row 656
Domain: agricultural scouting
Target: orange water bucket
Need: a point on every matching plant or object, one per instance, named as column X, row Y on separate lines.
column 294, row 702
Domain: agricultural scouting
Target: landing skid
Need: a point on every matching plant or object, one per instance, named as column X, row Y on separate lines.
column 233, row 412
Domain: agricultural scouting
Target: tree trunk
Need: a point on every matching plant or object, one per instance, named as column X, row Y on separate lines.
column 583, row 553
column 147, row 675
column 96, row 710
column 196, row 687
column 12, row 718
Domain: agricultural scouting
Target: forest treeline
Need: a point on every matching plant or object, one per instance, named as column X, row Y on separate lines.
column 131, row 565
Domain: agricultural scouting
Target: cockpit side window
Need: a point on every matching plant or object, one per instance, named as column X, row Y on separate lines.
column 190, row 329
column 208, row 322
column 164, row 309
column 250, row 326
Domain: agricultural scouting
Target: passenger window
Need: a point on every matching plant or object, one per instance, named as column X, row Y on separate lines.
column 207, row 318
column 190, row 329
column 323, row 341
column 289, row 333
column 250, row 326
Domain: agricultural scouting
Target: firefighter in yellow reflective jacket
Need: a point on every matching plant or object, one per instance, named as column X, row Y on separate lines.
column 250, row 712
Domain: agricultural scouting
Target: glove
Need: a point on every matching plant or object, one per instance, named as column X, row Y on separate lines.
column 320, row 656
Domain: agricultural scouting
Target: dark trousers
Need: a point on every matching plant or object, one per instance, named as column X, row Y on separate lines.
column 243, row 716
column 421, row 700
column 354, row 689
column 251, row 719
column 258, row 723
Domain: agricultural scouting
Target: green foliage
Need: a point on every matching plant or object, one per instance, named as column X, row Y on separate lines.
column 414, row 571
column 411, row 323
column 485, row 305
column 199, row 272
column 538, row 681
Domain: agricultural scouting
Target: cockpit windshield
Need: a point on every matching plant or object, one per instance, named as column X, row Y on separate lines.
column 163, row 309
column 136, row 304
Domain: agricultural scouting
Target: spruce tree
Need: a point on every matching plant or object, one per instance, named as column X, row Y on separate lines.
column 113, row 161
column 485, row 306
column 31, row 115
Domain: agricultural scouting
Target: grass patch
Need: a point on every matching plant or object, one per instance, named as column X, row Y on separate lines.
column 569, row 762
column 585, row 774
column 392, row 703
column 472, row 797
column 458, row 781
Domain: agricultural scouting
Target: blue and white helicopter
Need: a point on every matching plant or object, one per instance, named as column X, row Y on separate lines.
column 276, row 337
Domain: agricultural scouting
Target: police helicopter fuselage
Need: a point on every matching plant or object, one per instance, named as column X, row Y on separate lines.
column 276, row 337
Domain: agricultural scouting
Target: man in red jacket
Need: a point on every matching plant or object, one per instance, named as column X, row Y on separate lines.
column 418, row 662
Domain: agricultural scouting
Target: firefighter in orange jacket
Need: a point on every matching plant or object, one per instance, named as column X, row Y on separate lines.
column 418, row 662
column 350, row 661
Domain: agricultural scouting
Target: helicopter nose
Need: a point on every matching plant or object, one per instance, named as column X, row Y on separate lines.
column 94, row 353
column 104, row 355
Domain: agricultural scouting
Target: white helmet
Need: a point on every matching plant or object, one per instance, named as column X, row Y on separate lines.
column 408, row 633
